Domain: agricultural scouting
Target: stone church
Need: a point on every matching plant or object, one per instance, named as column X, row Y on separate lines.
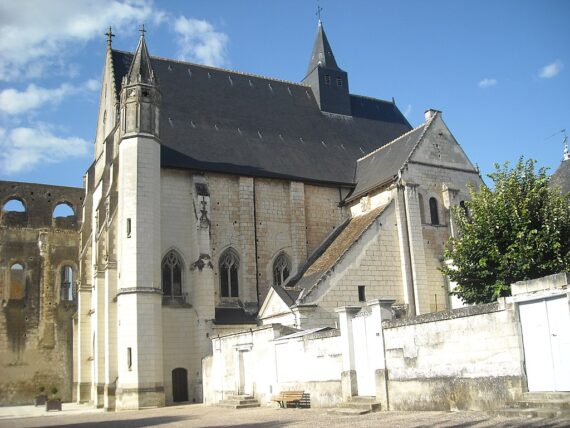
column 220, row 200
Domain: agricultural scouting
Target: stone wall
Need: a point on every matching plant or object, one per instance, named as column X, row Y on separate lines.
column 469, row 358
column 36, row 319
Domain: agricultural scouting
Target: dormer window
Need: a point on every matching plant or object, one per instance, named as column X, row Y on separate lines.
column 327, row 79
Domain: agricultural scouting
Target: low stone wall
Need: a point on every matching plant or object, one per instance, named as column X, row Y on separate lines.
column 468, row 358
column 264, row 362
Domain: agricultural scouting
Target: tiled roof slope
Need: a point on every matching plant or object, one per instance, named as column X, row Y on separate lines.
column 561, row 177
column 333, row 252
column 382, row 165
column 224, row 121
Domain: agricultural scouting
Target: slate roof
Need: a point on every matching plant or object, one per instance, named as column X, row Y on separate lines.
column 382, row 165
column 561, row 177
column 224, row 121
column 330, row 254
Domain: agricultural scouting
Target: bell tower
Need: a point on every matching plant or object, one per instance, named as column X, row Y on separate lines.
column 327, row 80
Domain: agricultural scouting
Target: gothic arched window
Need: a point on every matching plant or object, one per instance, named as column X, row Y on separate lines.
column 229, row 267
column 281, row 269
column 172, row 274
column 433, row 211
column 66, row 284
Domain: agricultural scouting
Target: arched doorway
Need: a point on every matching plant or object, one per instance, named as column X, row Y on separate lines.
column 179, row 385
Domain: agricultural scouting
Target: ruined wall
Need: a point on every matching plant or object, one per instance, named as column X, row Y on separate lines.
column 36, row 314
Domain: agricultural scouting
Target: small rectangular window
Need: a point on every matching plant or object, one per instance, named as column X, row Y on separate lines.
column 327, row 79
column 362, row 293
column 338, row 82
column 128, row 228
column 129, row 358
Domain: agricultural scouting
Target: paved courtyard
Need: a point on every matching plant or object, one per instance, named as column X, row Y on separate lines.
column 198, row 415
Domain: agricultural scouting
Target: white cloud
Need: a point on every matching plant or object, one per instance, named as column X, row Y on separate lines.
column 200, row 42
column 13, row 101
column 488, row 82
column 35, row 35
column 551, row 70
column 407, row 110
column 22, row 149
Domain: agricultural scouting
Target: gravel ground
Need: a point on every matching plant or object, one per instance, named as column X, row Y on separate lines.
column 198, row 415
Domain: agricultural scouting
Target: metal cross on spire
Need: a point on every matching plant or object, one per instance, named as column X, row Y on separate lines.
column 142, row 30
column 319, row 10
column 110, row 36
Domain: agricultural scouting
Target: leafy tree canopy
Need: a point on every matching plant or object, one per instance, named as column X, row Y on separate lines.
column 516, row 231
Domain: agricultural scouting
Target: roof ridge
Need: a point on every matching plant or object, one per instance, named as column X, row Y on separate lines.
column 395, row 140
column 227, row 70
column 373, row 99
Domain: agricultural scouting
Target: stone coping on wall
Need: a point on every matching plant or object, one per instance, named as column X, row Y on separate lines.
column 550, row 282
column 311, row 334
column 447, row 315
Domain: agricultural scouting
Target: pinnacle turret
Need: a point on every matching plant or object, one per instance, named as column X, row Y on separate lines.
column 141, row 69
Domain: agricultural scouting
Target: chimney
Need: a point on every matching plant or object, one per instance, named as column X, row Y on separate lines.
column 430, row 113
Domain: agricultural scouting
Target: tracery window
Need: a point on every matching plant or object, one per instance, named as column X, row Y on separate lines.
column 229, row 268
column 281, row 269
column 172, row 275
column 433, row 211
column 66, row 284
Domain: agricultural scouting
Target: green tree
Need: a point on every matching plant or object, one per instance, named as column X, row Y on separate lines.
column 518, row 230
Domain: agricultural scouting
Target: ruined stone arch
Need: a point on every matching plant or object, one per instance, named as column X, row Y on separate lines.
column 16, row 198
column 17, row 216
column 60, row 208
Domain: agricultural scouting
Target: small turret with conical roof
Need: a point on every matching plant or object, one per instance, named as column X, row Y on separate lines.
column 327, row 80
column 140, row 95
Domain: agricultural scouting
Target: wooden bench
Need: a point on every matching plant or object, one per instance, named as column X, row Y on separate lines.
column 286, row 397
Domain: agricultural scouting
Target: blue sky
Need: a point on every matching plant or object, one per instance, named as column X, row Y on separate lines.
column 499, row 70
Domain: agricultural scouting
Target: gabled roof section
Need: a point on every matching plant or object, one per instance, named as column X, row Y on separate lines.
column 381, row 166
column 331, row 254
column 141, row 70
column 218, row 120
column 322, row 55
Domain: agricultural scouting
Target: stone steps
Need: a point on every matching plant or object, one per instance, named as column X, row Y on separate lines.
column 357, row 405
column 235, row 401
column 544, row 405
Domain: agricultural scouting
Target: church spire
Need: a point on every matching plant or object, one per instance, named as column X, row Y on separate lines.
column 322, row 55
column 141, row 69
column 328, row 82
